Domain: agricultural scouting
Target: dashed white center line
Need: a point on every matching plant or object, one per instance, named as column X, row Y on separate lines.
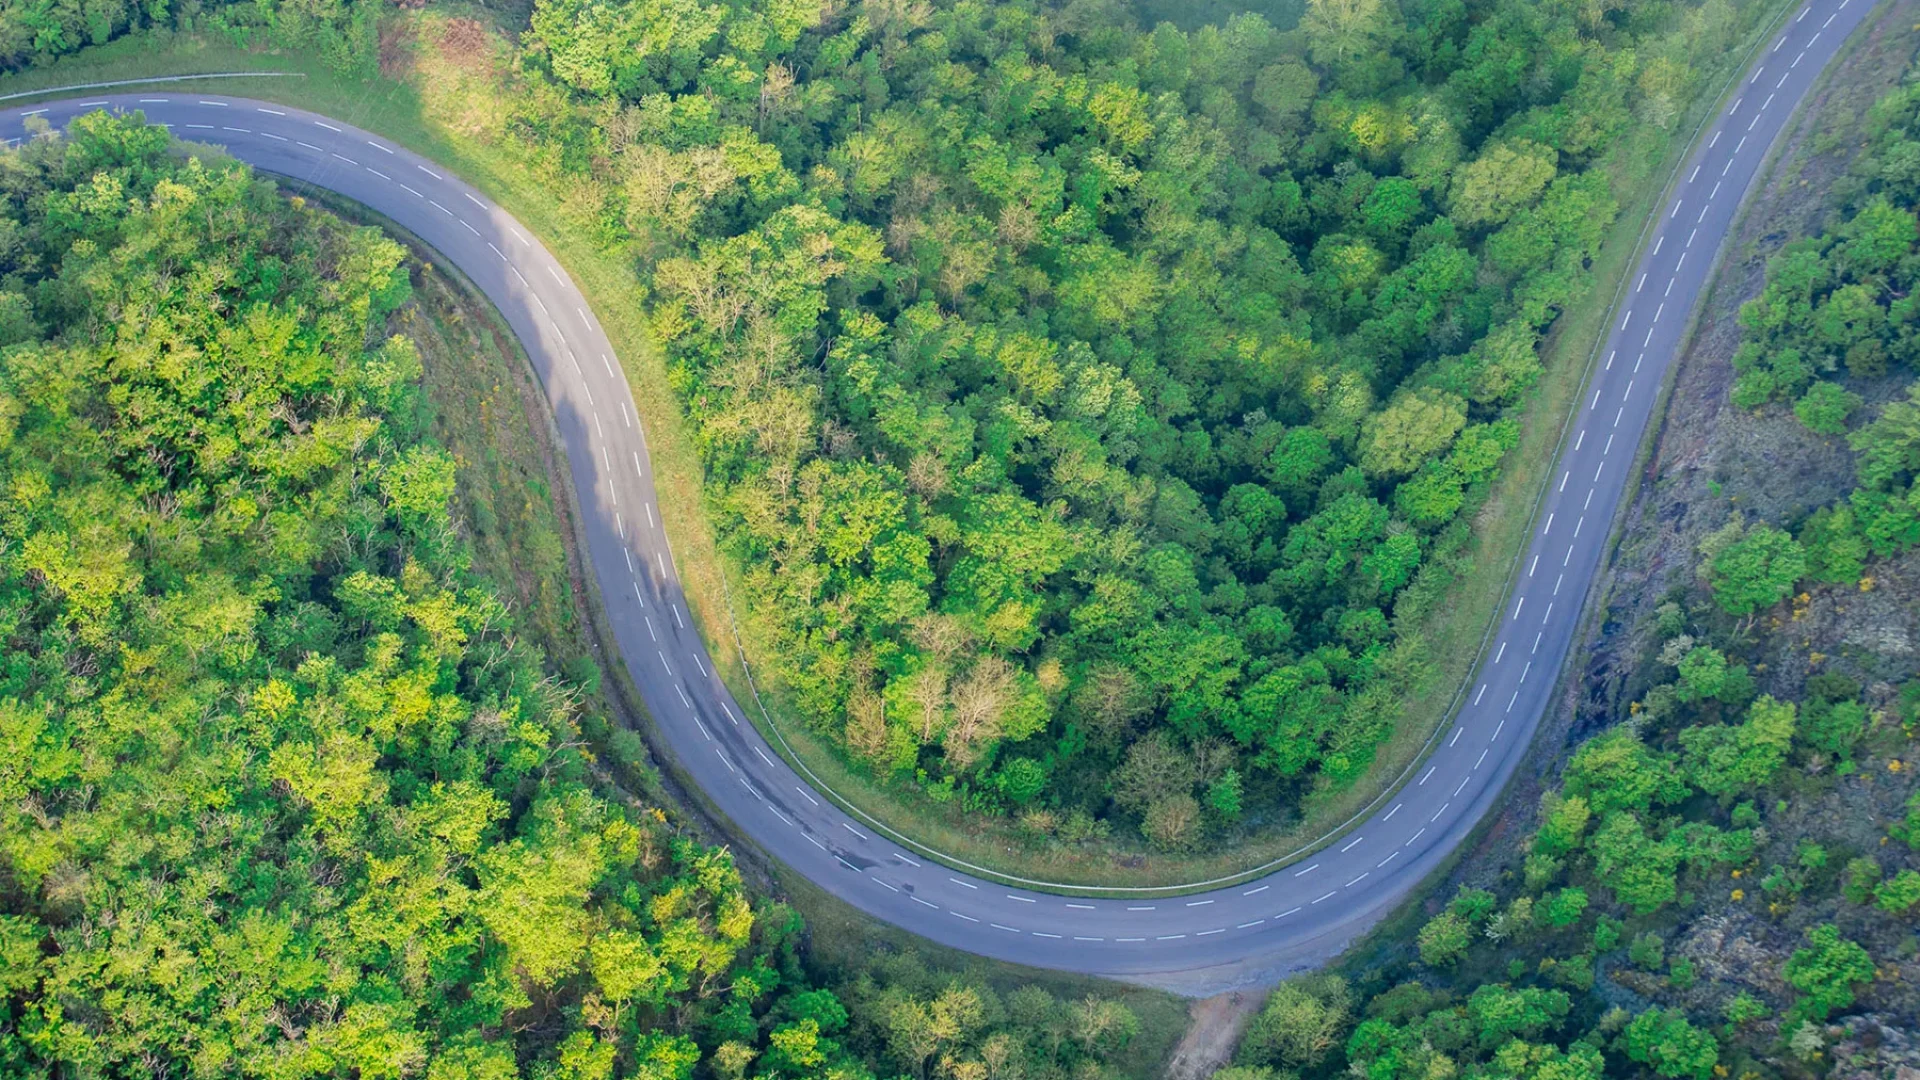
column 269, row 112
column 377, row 146
column 927, row 903
column 957, row 881
column 1261, row 889
column 1356, row 881
column 1329, row 896
column 1308, row 870
column 429, row 172
column 896, row 854
column 1198, row 903
column 816, row 802
column 1355, row 843
column 850, row 828
column 764, row 757
column 1008, row 929
column 1022, row 899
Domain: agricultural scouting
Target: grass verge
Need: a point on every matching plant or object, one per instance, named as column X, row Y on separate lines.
column 439, row 96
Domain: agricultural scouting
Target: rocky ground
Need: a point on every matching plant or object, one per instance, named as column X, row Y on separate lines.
column 1709, row 461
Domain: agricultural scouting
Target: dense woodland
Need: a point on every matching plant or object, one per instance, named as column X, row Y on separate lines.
column 1095, row 410
column 283, row 793
column 1725, row 883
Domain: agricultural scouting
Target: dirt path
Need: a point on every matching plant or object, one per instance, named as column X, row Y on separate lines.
column 1214, row 1029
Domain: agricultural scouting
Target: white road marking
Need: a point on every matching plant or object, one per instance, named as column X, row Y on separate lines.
column 1437, row 813
column 410, row 191
column 1204, row 933
column 896, row 854
column 764, row 757
column 377, row 172
column 1329, row 896
column 222, row 105
column 809, row 798
column 1245, row 925
column 1148, row 907
column 1477, row 764
column 503, row 258
column 474, row 201
column 377, row 146
column 270, row 112
column 1008, row 929
column 476, row 232
column 663, row 662
column 1496, row 731
column 1356, row 881
column 1170, row 937
column 723, row 759
column 440, row 208
column 242, row 131
column 1022, row 899
column 1386, row 860
column 1456, row 736
column 1481, row 694
column 848, row 827
column 1349, row 847
column 1260, row 889
column 429, row 172
column 297, row 142
column 1462, row 787
column 884, row 883
column 1308, row 870
column 1414, row 837
column 1198, row 903
column 1426, row 776
column 928, row 903
column 1289, row 911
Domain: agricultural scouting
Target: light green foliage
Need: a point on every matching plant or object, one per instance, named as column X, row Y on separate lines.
column 338, row 814
column 1725, row 759
column 1826, row 972
column 1899, row 893
column 1665, row 1041
column 1301, row 1022
column 1444, row 939
column 1565, row 907
column 1750, row 568
column 1863, row 877
column 1825, row 407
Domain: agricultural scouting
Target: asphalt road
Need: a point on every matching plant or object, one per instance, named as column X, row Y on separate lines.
column 1327, row 896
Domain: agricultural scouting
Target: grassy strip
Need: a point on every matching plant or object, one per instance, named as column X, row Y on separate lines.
column 436, row 108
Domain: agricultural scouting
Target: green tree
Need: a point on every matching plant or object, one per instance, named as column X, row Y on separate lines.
column 1665, row 1041
column 1827, row 972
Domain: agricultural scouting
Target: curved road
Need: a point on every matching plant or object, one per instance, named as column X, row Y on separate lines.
column 1189, row 940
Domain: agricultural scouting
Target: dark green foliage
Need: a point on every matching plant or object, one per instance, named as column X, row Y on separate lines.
column 1057, row 389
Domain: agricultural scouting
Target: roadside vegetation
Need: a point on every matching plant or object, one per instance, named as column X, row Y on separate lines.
column 286, row 790
column 1079, row 400
column 1721, row 882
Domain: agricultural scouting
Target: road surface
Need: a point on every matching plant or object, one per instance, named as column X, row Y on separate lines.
column 1185, row 940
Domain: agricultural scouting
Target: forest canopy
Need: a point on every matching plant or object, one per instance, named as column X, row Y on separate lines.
column 282, row 792
column 1094, row 409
